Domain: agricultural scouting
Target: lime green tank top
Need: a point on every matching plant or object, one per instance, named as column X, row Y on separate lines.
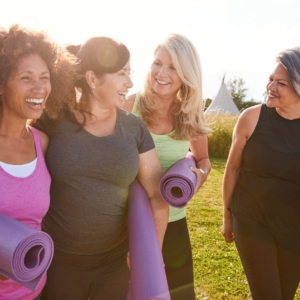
column 169, row 151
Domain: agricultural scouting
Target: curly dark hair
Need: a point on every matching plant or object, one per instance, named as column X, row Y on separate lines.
column 18, row 42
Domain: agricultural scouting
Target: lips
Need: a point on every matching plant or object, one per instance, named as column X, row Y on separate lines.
column 124, row 94
column 271, row 96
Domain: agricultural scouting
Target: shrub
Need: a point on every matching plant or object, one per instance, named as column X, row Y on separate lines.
column 219, row 141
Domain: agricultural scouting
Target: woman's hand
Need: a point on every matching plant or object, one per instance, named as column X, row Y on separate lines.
column 201, row 177
column 227, row 229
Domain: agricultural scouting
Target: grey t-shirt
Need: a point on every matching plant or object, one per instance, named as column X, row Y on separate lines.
column 90, row 180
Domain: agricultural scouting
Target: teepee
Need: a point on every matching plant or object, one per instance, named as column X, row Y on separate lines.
column 223, row 103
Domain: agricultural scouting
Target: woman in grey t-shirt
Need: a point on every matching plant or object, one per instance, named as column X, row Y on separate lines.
column 98, row 150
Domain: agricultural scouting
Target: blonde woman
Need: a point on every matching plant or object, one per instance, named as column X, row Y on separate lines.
column 171, row 106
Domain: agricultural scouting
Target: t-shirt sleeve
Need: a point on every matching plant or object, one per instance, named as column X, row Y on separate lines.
column 145, row 141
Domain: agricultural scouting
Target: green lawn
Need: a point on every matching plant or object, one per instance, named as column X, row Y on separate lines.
column 218, row 271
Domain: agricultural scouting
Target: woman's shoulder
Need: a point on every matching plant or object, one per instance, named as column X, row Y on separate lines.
column 251, row 112
column 248, row 120
column 130, row 120
column 43, row 138
column 44, row 141
column 129, row 116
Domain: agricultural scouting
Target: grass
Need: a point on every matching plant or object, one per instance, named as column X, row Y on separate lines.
column 217, row 267
column 219, row 141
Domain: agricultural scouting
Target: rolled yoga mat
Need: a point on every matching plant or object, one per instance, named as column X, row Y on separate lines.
column 178, row 184
column 25, row 252
column 147, row 273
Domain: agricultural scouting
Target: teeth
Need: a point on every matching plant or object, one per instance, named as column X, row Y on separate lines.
column 123, row 93
column 162, row 82
column 35, row 101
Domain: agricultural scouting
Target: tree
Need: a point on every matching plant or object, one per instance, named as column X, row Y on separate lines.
column 207, row 103
column 237, row 89
column 249, row 103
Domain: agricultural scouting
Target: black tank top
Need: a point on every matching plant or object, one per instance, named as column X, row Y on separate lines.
column 268, row 186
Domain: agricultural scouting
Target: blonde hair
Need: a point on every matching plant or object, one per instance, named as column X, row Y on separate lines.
column 188, row 105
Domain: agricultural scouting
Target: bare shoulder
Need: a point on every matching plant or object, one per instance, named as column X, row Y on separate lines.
column 252, row 111
column 44, row 141
column 128, row 105
column 248, row 119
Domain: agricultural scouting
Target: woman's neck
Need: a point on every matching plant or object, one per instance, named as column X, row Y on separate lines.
column 13, row 127
column 165, row 104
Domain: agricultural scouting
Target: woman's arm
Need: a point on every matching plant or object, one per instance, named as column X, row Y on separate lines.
column 199, row 149
column 242, row 131
column 149, row 176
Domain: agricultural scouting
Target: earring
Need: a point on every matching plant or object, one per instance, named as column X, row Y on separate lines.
column 92, row 89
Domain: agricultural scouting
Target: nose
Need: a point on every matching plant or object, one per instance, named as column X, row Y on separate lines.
column 161, row 70
column 271, row 86
column 38, row 86
column 129, row 83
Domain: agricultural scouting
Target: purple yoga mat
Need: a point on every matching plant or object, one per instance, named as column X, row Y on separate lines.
column 177, row 186
column 25, row 252
column 147, row 273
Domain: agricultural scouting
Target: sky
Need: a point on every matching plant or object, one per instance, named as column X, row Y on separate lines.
column 235, row 38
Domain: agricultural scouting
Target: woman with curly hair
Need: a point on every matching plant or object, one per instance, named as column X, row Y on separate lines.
column 97, row 152
column 29, row 68
column 171, row 106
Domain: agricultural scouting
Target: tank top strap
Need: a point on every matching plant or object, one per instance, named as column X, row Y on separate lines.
column 37, row 142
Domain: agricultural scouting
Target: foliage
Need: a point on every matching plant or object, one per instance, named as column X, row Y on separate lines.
column 247, row 104
column 237, row 89
column 219, row 141
column 207, row 103
column 218, row 271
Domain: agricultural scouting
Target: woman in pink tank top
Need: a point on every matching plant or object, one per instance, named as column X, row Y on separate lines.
column 28, row 66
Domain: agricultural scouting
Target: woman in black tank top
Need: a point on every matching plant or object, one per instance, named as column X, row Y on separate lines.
column 261, row 191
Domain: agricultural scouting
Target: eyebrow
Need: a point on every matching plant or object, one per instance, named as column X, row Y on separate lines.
column 30, row 72
column 278, row 79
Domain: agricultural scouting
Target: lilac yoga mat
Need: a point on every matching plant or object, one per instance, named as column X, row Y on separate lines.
column 25, row 252
column 147, row 273
column 177, row 186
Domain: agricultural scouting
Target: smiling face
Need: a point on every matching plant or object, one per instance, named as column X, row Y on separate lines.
column 164, row 78
column 112, row 89
column 280, row 92
column 27, row 88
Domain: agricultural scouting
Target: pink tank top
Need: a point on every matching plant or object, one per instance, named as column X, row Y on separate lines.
column 26, row 200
